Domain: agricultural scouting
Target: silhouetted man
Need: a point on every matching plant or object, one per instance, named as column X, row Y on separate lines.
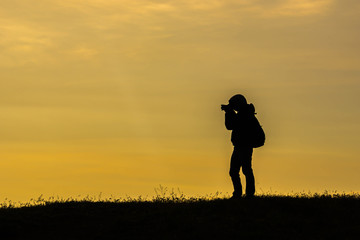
column 238, row 117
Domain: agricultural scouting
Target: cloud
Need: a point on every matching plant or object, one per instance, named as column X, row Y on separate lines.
column 23, row 43
column 84, row 52
column 49, row 32
column 299, row 8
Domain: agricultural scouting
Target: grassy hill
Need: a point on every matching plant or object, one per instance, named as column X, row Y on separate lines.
column 263, row 217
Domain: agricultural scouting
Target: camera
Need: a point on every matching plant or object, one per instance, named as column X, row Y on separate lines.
column 226, row 107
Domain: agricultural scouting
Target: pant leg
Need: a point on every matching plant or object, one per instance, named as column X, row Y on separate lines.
column 235, row 165
column 248, row 171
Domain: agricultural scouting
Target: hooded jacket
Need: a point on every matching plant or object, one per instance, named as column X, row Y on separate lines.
column 241, row 124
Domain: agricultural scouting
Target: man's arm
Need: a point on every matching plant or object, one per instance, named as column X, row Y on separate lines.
column 230, row 120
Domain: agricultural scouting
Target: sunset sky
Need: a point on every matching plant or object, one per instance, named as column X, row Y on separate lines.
column 120, row 96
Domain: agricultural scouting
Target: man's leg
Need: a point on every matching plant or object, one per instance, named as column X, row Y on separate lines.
column 248, row 172
column 234, row 172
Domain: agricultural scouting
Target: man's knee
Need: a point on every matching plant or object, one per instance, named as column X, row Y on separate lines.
column 247, row 171
column 233, row 173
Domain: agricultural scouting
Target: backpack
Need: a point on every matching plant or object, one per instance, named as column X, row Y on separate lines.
column 257, row 133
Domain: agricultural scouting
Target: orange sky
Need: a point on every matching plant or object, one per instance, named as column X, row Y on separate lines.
column 121, row 96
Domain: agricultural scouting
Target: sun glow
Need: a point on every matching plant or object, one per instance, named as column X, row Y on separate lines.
column 121, row 96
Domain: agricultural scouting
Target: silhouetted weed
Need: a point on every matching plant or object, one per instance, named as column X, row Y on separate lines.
column 172, row 215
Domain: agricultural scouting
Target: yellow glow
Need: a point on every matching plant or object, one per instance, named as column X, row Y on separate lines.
column 121, row 96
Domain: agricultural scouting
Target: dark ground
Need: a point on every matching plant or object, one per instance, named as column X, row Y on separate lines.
column 265, row 217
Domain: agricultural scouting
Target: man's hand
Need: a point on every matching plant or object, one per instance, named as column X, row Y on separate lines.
column 226, row 108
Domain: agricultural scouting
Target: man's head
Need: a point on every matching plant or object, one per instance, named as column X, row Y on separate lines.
column 237, row 102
